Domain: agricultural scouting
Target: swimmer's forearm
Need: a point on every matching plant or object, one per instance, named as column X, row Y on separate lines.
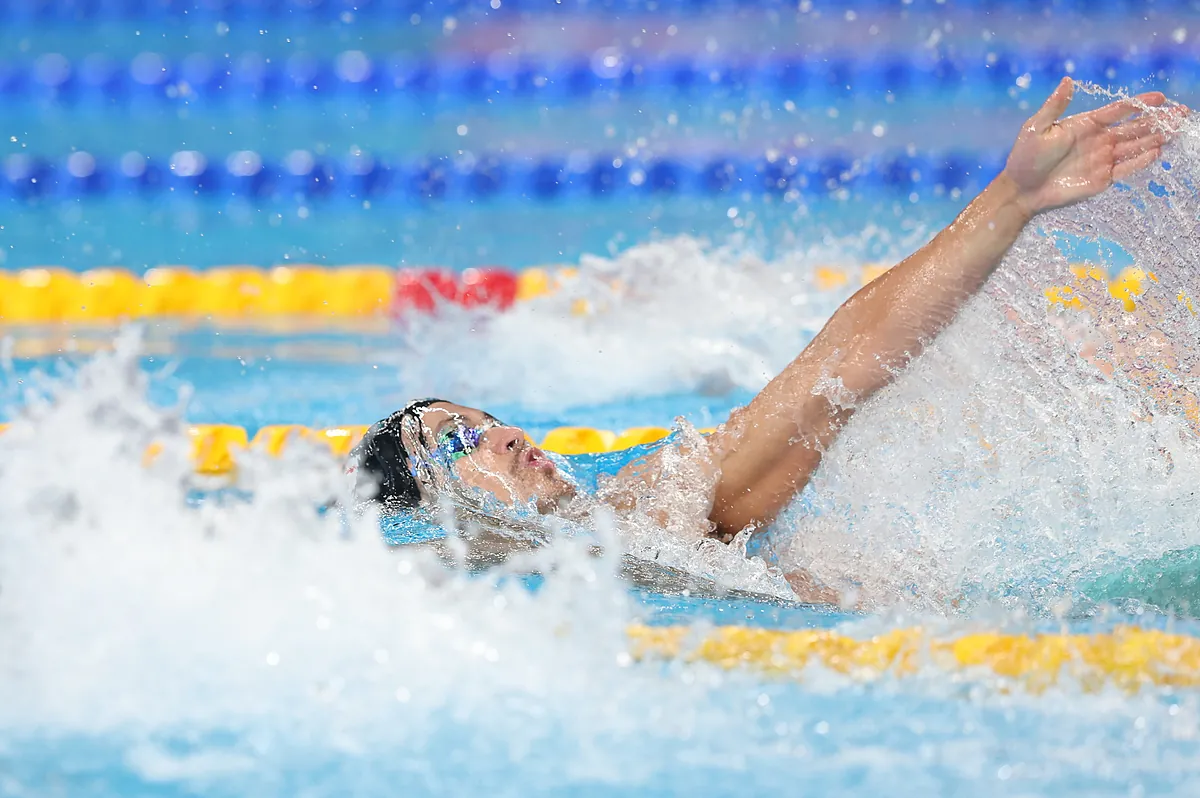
column 1054, row 162
column 768, row 450
column 882, row 327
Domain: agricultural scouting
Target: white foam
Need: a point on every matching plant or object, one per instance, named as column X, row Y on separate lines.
column 245, row 640
column 1005, row 466
column 126, row 614
column 672, row 316
column 122, row 604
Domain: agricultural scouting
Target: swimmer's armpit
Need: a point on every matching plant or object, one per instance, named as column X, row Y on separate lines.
column 649, row 477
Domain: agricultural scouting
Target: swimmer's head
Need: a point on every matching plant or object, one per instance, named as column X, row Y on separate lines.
column 417, row 452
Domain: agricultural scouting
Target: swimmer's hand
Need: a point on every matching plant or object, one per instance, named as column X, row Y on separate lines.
column 1060, row 162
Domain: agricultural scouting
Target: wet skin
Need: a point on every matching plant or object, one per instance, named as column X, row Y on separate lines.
column 505, row 463
column 767, row 452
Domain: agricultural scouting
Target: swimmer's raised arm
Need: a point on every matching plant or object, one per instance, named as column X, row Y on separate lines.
column 769, row 449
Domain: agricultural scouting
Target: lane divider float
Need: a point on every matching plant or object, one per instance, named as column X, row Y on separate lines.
column 252, row 78
column 111, row 294
column 1093, row 283
column 247, row 293
column 1128, row 657
column 215, row 447
column 396, row 12
column 358, row 177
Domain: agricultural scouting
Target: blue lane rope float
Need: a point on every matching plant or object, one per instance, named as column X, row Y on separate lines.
column 151, row 77
column 303, row 175
column 43, row 11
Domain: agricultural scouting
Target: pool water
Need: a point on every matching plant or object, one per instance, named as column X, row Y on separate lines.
column 163, row 635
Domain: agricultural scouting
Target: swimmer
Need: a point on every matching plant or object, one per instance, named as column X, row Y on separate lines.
column 744, row 474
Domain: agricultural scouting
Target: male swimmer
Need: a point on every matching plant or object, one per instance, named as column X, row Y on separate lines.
column 748, row 471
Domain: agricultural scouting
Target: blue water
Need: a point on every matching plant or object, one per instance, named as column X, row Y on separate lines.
column 654, row 729
column 254, row 391
column 80, row 234
column 844, row 743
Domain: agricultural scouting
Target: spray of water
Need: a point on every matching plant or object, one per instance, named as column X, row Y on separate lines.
column 1032, row 446
column 671, row 316
column 155, row 647
column 207, row 642
column 1030, row 449
column 260, row 646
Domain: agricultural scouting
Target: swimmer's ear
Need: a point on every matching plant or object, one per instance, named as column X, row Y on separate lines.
column 1054, row 107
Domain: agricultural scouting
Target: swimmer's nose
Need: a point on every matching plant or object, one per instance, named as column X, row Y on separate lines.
column 504, row 439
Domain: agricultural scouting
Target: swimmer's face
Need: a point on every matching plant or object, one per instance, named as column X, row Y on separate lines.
column 502, row 462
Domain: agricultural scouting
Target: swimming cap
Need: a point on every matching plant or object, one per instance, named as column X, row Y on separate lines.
column 382, row 458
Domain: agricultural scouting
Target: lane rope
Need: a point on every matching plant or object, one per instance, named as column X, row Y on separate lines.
column 33, row 12
column 50, row 294
column 305, row 176
column 231, row 293
column 215, row 448
column 1128, row 657
column 256, row 79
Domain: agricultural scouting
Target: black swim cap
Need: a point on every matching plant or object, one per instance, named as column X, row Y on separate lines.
column 381, row 454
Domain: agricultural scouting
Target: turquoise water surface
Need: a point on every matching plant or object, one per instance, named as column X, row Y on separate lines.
column 159, row 637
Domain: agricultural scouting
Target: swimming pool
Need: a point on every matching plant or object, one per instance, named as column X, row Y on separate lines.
column 721, row 176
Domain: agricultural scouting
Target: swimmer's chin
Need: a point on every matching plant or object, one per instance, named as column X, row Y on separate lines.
column 552, row 505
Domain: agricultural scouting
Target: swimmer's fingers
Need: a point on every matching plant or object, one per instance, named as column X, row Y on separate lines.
column 1135, row 163
column 1131, row 148
column 1136, row 128
column 1054, row 106
column 1163, row 122
column 1115, row 112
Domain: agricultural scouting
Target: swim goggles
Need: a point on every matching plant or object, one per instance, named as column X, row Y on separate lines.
column 459, row 440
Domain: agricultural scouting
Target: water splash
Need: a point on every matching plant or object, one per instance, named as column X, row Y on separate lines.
column 668, row 317
column 259, row 644
column 1033, row 446
column 152, row 647
column 261, row 647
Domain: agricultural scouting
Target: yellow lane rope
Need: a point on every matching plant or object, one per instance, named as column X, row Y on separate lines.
column 109, row 294
column 49, row 294
column 1128, row 657
column 228, row 293
column 1093, row 283
column 215, row 447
